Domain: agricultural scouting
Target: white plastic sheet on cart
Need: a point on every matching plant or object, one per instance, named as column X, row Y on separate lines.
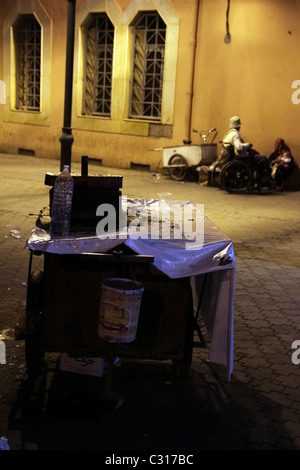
column 211, row 256
column 73, row 244
column 175, row 256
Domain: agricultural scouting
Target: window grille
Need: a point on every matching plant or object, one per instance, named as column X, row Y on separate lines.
column 28, row 63
column 148, row 65
column 99, row 42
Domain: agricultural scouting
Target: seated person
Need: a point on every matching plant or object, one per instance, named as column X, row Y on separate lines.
column 232, row 142
column 233, row 146
column 281, row 161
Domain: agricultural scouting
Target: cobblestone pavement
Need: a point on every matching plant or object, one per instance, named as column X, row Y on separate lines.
column 258, row 409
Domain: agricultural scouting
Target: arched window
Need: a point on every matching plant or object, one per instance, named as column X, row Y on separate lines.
column 99, row 44
column 28, row 63
column 149, row 32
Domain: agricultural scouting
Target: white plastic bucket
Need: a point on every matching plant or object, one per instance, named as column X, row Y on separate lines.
column 119, row 309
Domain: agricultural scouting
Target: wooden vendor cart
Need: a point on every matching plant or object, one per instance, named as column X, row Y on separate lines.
column 181, row 283
column 181, row 280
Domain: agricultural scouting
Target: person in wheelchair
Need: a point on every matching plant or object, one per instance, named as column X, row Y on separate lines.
column 233, row 147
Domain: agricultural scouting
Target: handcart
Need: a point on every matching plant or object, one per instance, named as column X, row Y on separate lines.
column 185, row 159
column 64, row 293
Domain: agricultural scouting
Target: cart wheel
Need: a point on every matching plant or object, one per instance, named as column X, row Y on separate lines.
column 180, row 172
column 33, row 347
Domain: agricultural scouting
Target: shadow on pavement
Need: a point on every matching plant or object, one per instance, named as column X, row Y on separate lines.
column 159, row 413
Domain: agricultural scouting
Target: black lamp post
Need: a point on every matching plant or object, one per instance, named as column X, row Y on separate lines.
column 66, row 138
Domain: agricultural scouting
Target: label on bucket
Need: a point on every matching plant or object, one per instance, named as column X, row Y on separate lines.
column 119, row 310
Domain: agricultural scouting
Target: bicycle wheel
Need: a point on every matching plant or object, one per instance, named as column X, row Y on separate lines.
column 179, row 171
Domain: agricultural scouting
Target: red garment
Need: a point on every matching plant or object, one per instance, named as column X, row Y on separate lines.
column 281, row 161
column 280, row 146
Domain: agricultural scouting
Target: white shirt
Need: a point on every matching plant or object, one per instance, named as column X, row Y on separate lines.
column 233, row 137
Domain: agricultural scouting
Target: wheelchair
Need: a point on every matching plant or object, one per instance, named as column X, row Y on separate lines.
column 239, row 175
